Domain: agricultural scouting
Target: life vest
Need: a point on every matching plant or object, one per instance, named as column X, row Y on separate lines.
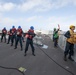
column 9, row 33
column 73, row 39
column 4, row 31
column 30, row 36
column 19, row 32
column 13, row 30
column 56, row 35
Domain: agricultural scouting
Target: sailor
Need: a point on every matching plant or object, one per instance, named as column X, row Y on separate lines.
column 55, row 37
column 30, row 35
column 4, row 32
column 69, row 49
column 13, row 38
column 9, row 36
column 19, row 37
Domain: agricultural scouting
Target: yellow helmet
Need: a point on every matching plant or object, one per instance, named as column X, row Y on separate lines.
column 71, row 26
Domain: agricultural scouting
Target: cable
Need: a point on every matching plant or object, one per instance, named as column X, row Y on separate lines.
column 12, row 68
column 54, row 60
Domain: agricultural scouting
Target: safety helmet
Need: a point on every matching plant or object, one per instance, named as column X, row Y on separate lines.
column 32, row 27
column 19, row 26
column 71, row 26
column 54, row 28
column 13, row 26
column 5, row 28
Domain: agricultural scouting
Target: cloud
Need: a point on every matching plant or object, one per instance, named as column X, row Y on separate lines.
column 24, row 22
column 45, row 5
column 8, row 21
column 31, row 18
column 64, row 22
column 28, row 5
column 39, row 22
column 35, row 5
column 74, row 2
column 6, row 6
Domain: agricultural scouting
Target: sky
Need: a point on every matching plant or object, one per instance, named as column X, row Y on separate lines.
column 42, row 14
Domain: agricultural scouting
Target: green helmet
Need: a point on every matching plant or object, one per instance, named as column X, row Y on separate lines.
column 54, row 28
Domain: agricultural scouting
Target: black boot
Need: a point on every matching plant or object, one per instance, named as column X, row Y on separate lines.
column 65, row 58
column 15, row 48
column 70, row 58
column 21, row 49
column 25, row 54
column 11, row 44
column 8, row 42
column 33, row 54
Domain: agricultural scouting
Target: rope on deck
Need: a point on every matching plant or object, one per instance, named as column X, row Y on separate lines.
column 54, row 60
column 13, row 69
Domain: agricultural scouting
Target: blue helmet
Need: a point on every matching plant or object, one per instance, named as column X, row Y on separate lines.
column 13, row 26
column 19, row 26
column 54, row 29
column 4, row 28
column 32, row 27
